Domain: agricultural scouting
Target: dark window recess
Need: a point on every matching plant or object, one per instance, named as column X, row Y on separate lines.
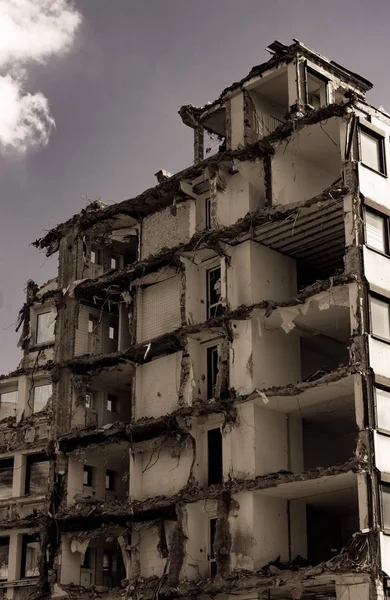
column 372, row 150
column 37, row 474
column 316, row 88
column 88, row 475
column 110, row 480
column 30, row 553
column 88, row 562
column 208, row 213
column 214, row 456
column 112, row 403
column 212, row 561
column 212, row 371
column 213, row 285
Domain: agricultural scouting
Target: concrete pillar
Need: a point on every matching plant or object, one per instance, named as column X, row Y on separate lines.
column 23, row 390
column 198, row 144
column 292, row 83
column 15, row 556
column 19, row 475
column 100, row 480
column 70, row 563
column 75, row 480
column 135, row 479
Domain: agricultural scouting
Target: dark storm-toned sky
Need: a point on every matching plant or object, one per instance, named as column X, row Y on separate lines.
column 115, row 98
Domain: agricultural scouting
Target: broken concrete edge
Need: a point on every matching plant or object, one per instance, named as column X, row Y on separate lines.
column 174, row 341
column 191, row 114
column 357, row 559
column 203, row 239
column 28, row 370
column 154, row 198
column 96, row 510
column 148, row 428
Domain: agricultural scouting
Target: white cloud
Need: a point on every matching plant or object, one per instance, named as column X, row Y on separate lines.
column 30, row 31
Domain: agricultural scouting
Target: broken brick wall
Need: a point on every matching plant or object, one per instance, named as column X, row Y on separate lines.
column 167, row 228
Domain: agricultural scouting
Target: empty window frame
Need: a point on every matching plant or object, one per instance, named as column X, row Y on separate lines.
column 89, row 402
column 88, row 476
column 115, row 261
column 37, row 474
column 372, row 150
column 112, row 403
column 110, row 480
column 207, row 212
column 30, row 553
column 214, row 456
column 382, row 403
column 8, row 402
column 212, row 371
column 213, row 290
column 6, row 477
column 41, row 396
column 377, row 231
column 211, row 555
column 316, row 89
column 45, row 327
column 4, row 552
column 380, row 317
column 96, row 257
column 108, row 561
column 93, row 323
column 385, row 502
column 113, row 331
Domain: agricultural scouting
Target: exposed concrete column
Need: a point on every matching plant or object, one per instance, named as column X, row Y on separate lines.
column 198, row 144
column 14, row 556
column 70, row 563
column 100, row 482
column 19, row 475
column 135, row 490
column 23, row 390
column 75, row 480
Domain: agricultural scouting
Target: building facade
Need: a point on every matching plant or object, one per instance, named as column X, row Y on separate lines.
column 201, row 408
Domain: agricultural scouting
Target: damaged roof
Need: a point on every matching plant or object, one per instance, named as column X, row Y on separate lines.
column 281, row 54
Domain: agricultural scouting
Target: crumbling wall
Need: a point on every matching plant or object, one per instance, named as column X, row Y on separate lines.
column 167, row 228
column 154, row 459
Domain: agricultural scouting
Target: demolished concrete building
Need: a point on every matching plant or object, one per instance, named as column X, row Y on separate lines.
column 201, row 408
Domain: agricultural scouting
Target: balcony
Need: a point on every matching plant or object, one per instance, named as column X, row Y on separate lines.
column 263, row 124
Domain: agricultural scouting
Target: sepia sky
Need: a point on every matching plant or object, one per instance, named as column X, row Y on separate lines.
column 88, row 103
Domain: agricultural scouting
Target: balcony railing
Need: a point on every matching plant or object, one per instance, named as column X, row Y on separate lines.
column 263, row 124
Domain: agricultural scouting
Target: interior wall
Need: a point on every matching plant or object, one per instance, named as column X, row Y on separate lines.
column 276, row 356
column 271, row 429
column 157, row 386
column 295, row 179
column 155, row 464
column 270, row 529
